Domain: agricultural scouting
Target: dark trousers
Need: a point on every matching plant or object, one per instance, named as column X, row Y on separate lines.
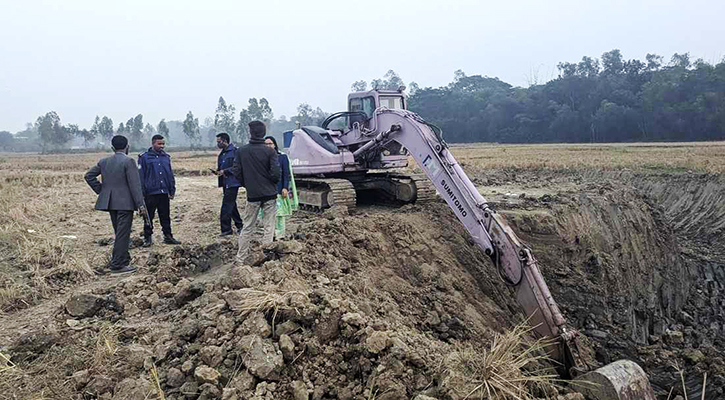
column 160, row 203
column 121, row 221
column 229, row 211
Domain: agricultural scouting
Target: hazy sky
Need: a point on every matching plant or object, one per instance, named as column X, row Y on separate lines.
column 164, row 58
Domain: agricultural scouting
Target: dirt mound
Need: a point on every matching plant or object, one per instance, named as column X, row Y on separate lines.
column 370, row 305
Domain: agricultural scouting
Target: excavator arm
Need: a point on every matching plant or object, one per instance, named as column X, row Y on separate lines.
column 515, row 263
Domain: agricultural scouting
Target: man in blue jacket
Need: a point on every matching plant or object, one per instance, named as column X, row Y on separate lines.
column 229, row 184
column 159, row 186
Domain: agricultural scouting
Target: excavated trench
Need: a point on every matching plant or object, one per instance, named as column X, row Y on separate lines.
column 636, row 263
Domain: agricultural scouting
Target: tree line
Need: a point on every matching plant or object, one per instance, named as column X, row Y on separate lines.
column 608, row 99
column 49, row 134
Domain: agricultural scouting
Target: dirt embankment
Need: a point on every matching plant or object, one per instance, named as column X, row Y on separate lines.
column 636, row 262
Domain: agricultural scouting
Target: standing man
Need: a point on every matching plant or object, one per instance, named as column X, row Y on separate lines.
column 159, row 187
column 257, row 167
column 230, row 185
column 119, row 194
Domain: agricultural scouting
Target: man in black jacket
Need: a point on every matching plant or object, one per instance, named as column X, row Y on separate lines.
column 256, row 166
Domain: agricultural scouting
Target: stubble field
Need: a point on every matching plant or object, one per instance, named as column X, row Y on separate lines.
column 630, row 238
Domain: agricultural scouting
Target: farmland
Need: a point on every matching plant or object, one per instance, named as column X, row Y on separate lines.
column 629, row 237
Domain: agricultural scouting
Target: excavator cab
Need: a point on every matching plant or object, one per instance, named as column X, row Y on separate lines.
column 362, row 105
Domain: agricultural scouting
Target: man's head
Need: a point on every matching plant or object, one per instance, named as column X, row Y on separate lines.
column 257, row 130
column 271, row 142
column 222, row 140
column 119, row 143
column 158, row 143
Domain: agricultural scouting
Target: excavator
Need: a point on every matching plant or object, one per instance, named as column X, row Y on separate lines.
column 345, row 160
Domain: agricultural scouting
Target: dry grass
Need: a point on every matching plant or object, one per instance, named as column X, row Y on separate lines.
column 106, row 345
column 665, row 157
column 262, row 301
column 505, row 371
column 157, row 383
column 258, row 300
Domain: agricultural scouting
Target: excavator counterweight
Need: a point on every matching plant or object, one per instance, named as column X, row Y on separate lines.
column 339, row 166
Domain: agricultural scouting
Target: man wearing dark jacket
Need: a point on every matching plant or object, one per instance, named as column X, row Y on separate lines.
column 229, row 184
column 257, row 167
column 119, row 194
column 159, row 186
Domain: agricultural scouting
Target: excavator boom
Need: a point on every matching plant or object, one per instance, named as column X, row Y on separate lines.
column 514, row 261
column 334, row 167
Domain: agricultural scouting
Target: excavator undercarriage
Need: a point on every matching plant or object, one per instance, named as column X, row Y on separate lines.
column 318, row 194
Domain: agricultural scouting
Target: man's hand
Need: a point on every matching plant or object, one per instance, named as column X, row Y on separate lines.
column 171, row 196
column 285, row 192
column 142, row 210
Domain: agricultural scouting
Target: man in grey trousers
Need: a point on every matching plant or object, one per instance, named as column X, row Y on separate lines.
column 256, row 166
column 120, row 194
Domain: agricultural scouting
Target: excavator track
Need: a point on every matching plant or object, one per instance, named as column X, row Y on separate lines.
column 317, row 194
column 425, row 190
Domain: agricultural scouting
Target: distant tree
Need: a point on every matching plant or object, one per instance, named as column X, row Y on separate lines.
column 163, row 129
column 359, row 86
column 105, row 128
column 266, row 110
column 95, row 128
column 6, row 140
column 191, row 129
column 224, row 118
column 390, row 81
column 304, row 115
column 121, row 129
column 51, row 132
column 413, row 88
column 612, row 62
column 654, row 62
column 129, row 128
column 148, row 131
column 242, row 129
column 680, row 60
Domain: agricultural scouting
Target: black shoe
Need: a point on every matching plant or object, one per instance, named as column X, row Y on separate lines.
column 123, row 270
column 148, row 241
column 170, row 240
column 230, row 233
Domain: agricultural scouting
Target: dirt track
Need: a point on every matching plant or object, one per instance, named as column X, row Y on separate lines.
column 371, row 303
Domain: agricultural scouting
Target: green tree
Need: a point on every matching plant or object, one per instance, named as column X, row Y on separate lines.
column 242, row 130
column 224, row 118
column 390, row 81
column 359, row 86
column 163, row 129
column 148, row 131
column 6, row 140
column 191, row 129
column 105, row 128
column 121, row 129
column 51, row 132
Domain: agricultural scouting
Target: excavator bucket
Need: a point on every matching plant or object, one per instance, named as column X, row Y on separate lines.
column 620, row 380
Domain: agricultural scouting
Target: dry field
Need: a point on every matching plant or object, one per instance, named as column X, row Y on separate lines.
column 390, row 267
column 48, row 228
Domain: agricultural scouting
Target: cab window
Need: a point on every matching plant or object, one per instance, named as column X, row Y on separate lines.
column 392, row 102
column 364, row 104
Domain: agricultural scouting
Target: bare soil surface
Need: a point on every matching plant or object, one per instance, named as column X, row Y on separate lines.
column 369, row 305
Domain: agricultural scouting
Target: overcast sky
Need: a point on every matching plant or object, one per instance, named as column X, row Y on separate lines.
column 164, row 58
